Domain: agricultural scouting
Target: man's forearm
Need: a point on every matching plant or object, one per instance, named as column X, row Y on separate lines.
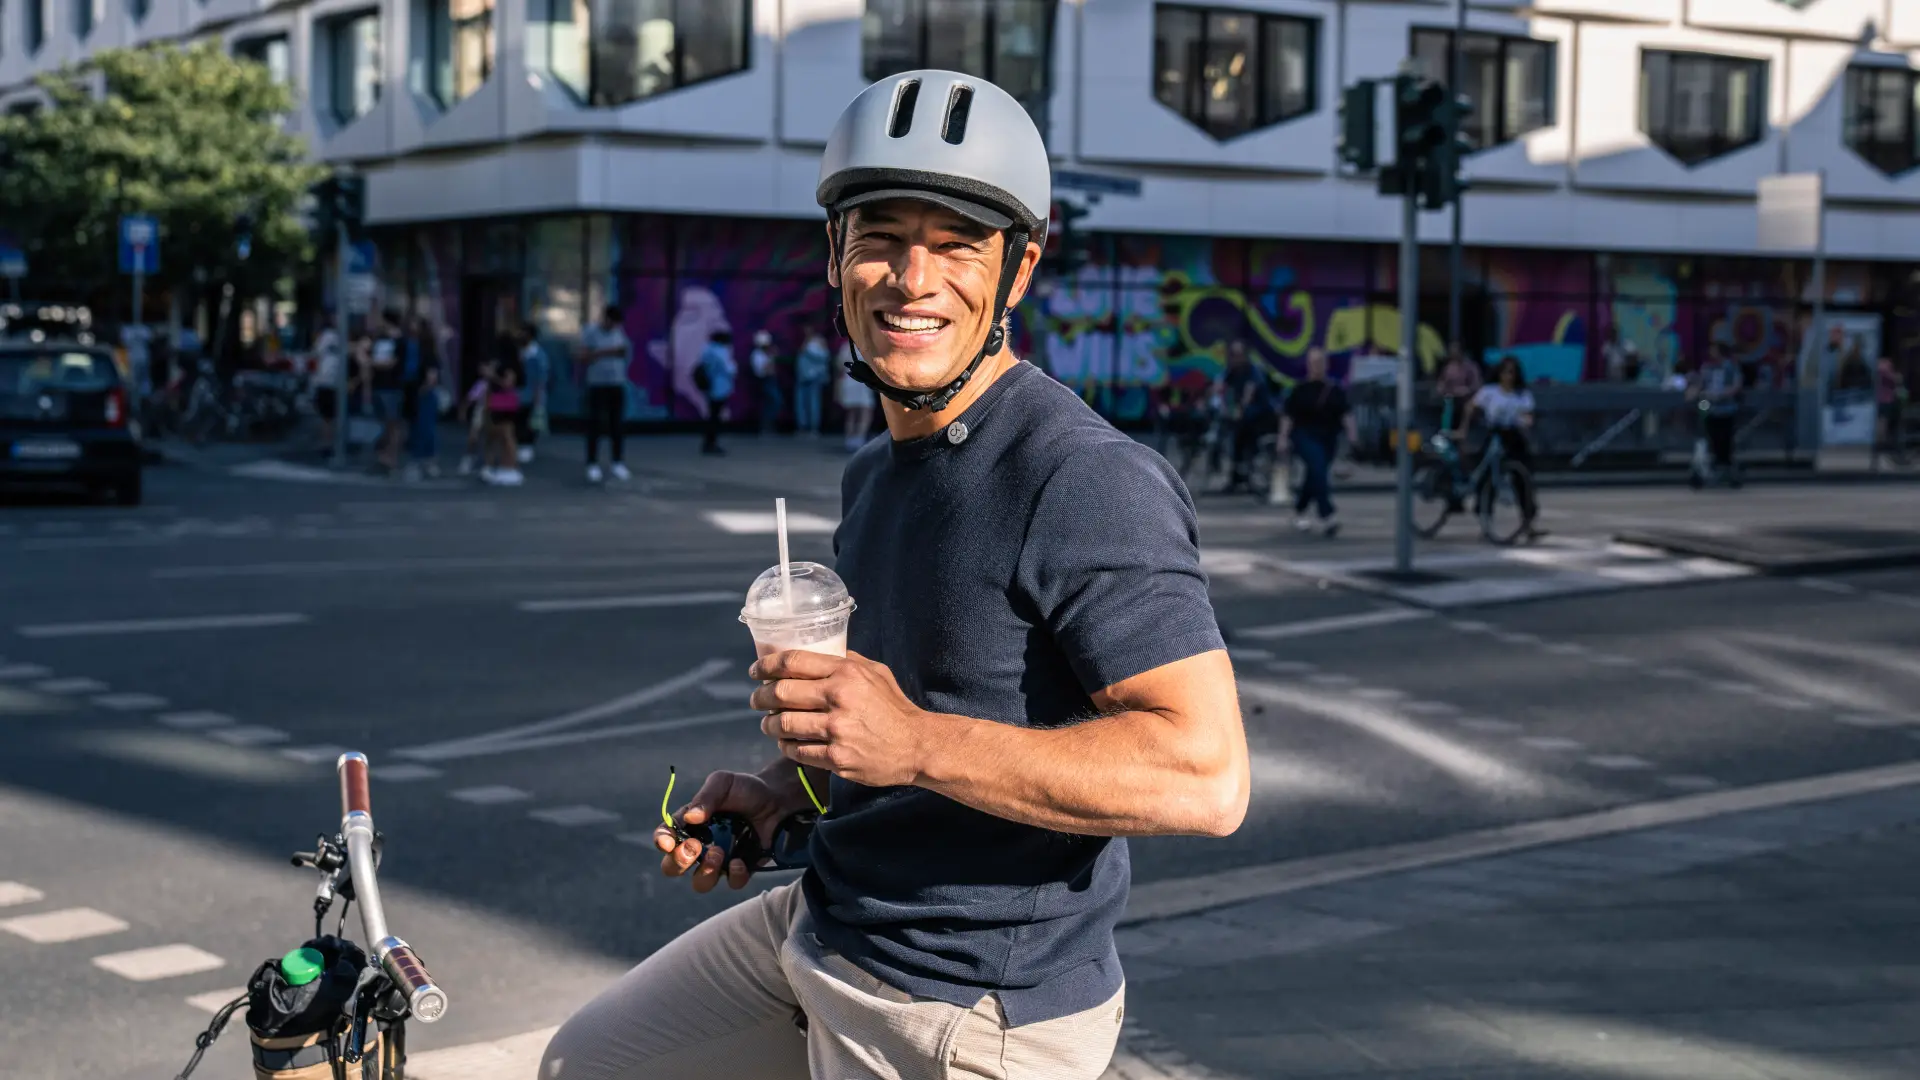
column 1126, row 774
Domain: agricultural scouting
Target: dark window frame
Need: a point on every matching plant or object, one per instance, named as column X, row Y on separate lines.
column 1550, row 103
column 253, row 48
column 1264, row 117
column 596, row 100
column 33, row 25
column 1719, row 146
column 874, row 72
column 1858, row 114
column 86, row 18
column 335, row 31
column 441, row 36
column 137, row 10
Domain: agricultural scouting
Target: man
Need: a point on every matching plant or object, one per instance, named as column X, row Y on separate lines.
column 388, row 377
column 766, row 371
column 809, row 382
column 1035, row 674
column 1316, row 413
column 608, row 355
column 718, row 370
column 1889, row 399
column 1717, row 386
column 1251, row 399
column 531, row 421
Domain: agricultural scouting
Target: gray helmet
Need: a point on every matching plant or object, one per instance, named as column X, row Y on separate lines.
column 945, row 138
column 952, row 140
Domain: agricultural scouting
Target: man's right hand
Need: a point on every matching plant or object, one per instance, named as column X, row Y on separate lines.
column 724, row 792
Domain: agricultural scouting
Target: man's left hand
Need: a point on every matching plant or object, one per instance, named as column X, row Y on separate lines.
column 846, row 715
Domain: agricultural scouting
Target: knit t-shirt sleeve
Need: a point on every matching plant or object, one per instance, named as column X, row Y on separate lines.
column 1111, row 563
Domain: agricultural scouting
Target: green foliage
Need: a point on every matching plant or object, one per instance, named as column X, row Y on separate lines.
column 190, row 136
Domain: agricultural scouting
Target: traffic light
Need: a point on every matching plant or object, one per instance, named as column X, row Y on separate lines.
column 340, row 200
column 1429, row 145
column 1357, row 126
column 1072, row 252
column 1441, row 180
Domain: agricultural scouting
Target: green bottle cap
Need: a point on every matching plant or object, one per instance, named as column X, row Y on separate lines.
column 302, row 966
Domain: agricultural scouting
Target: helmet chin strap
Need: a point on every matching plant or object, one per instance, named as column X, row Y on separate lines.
column 938, row 398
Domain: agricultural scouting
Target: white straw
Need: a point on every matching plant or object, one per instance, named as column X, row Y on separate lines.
column 786, row 568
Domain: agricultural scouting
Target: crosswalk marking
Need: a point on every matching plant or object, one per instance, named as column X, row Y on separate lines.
column 574, row 816
column 761, row 522
column 159, row 962
column 1618, row 762
column 24, row 671
column 70, row 686
column 67, row 924
column 313, row 755
column 1553, row 743
column 13, row 893
column 249, row 735
column 194, row 721
column 214, row 1000
column 405, row 772
column 130, row 702
column 490, row 795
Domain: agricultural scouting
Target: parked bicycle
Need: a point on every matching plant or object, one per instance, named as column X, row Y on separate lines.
column 1441, row 487
column 331, row 1004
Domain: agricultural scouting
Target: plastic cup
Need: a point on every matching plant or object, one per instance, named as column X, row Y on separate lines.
column 813, row 618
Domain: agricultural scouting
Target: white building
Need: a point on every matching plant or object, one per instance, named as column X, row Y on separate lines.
column 543, row 157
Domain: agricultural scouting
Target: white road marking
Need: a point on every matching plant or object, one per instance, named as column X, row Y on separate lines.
column 1729, row 686
column 516, row 1057
column 13, row 892
column 159, row 962
column 1612, row 659
column 1333, row 624
column 761, row 522
column 1332, row 679
column 730, row 691
column 1793, row 703
column 1471, row 626
column 214, row 1000
column 67, row 924
column 1568, row 648
column 70, row 686
column 1516, row 638
column 1489, row 726
column 1692, row 783
column 1840, row 588
column 162, row 626
column 1190, row 894
column 1380, row 693
column 24, row 671
column 1464, row 763
column 1430, row 708
column 249, row 735
column 1242, row 654
column 1290, row 667
column 130, row 702
column 574, row 816
column 490, row 795
column 645, row 600
column 523, row 735
column 404, row 772
column 194, row 721
column 313, row 755
column 1871, row 720
column 1553, row 743
column 1619, row 762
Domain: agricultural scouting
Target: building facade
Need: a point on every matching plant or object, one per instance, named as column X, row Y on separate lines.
column 535, row 161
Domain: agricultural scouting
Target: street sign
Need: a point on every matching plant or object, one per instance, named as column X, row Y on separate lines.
column 1790, row 205
column 1095, row 183
column 139, row 245
column 13, row 262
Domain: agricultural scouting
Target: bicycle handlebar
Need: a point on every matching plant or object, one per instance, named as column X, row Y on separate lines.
column 427, row 1001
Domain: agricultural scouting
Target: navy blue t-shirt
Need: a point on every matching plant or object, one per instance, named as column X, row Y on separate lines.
column 1006, row 569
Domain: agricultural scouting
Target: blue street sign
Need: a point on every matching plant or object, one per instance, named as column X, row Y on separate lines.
column 139, row 245
column 13, row 262
column 1095, row 183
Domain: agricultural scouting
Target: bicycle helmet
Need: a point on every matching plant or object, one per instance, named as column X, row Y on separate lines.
column 952, row 140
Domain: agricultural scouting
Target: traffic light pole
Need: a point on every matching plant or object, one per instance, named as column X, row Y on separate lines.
column 1403, row 391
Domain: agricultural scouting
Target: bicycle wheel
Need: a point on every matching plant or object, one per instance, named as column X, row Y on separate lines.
column 1501, row 519
column 1432, row 499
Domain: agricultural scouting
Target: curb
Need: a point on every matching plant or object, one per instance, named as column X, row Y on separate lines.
column 1775, row 565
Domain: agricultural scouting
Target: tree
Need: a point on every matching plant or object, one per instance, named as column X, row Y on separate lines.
column 189, row 136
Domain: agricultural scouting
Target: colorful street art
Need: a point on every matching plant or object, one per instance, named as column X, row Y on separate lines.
column 1147, row 319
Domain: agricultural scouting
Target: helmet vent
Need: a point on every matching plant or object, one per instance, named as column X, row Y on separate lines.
column 905, row 96
column 959, row 104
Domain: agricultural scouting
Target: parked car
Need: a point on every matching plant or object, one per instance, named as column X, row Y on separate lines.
column 65, row 418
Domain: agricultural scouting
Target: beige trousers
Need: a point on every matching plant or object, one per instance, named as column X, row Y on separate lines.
column 720, row 1002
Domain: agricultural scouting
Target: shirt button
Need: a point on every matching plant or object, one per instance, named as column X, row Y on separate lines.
column 956, row 433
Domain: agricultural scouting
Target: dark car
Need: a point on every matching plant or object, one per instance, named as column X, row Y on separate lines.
column 64, row 419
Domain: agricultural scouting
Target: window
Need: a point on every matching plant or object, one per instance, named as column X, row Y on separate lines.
column 86, row 16
column 1230, row 72
column 33, row 17
column 353, row 54
column 1881, row 102
column 1006, row 42
column 619, row 51
column 1508, row 79
column 1697, row 106
column 270, row 51
column 137, row 9
column 459, row 47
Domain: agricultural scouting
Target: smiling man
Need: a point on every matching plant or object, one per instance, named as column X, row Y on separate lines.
column 1035, row 675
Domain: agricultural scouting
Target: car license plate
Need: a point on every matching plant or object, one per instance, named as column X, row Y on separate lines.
column 46, row 450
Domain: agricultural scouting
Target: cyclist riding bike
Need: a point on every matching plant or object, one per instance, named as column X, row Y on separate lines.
column 1034, row 673
column 1507, row 405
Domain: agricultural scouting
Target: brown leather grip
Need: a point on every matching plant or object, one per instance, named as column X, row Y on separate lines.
column 354, row 794
column 406, row 969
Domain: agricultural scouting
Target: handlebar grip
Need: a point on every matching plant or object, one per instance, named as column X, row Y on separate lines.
column 354, row 791
column 427, row 1001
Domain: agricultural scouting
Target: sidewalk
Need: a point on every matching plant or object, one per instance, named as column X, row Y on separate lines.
column 1777, row 944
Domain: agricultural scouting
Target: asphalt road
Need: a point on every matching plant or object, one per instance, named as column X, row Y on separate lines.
column 523, row 666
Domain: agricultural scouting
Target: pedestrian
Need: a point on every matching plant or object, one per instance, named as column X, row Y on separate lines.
column 715, row 377
column 608, row 356
column 1035, row 673
column 1315, row 415
column 421, row 375
column 531, row 421
column 1459, row 380
column 767, row 374
column 809, row 382
column 1255, row 416
column 387, row 376
column 1717, row 386
column 1889, row 398
column 856, row 402
column 328, row 360
column 503, row 411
